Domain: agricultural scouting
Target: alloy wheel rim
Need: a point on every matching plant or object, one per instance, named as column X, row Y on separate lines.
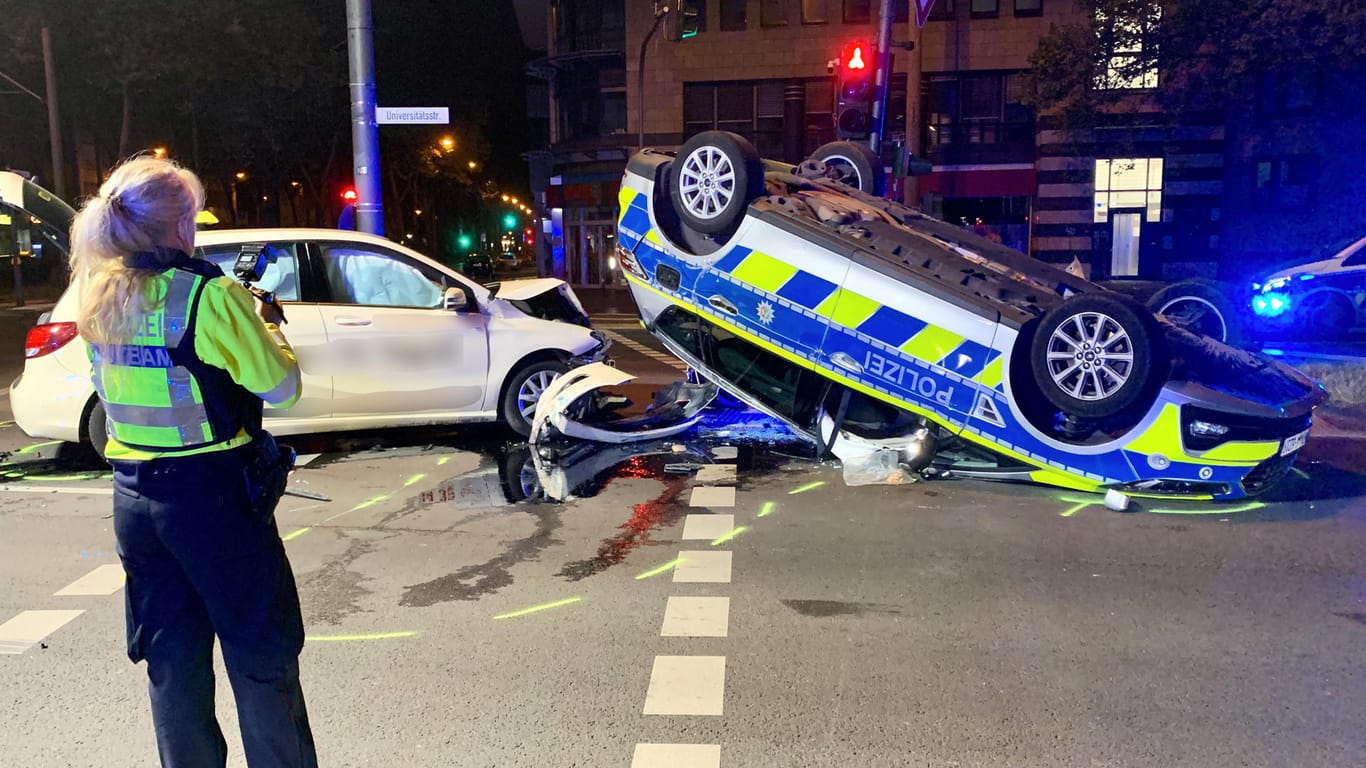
column 531, row 391
column 707, row 182
column 1090, row 356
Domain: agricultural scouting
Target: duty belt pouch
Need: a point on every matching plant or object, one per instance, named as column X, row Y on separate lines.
column 267, row 473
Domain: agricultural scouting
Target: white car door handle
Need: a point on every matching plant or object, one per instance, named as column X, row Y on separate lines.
column 720, row 303
column 846, row 362
column 352, row 320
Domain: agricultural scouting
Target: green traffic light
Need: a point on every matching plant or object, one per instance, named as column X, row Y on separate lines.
column 465, row 241
column 509, row 220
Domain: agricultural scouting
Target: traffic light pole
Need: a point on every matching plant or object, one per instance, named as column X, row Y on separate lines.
column 882, row 77
column 660, row 12
column 364, row 131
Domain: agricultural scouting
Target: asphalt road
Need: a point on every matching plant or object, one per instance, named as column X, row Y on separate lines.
column 809, row 623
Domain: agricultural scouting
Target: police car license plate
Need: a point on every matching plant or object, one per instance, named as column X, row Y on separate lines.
column 1294, row 443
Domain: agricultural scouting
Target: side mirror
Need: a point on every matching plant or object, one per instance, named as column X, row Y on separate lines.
column 455, row 299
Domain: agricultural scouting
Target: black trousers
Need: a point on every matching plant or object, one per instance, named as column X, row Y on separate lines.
column 201, row 562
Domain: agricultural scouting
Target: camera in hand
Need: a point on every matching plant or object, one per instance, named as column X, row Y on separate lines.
column 250, row 267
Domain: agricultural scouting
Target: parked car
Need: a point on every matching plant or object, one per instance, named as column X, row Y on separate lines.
column 852, row 317
column 477, row 265
column 384, row 336
column 1322, row 300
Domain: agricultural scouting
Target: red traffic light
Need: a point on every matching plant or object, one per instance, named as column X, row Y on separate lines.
column 349, row 195
column 854, row 57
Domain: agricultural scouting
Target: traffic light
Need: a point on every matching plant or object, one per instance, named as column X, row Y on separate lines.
column 349, row 195
column 689, row 18
column 854, row 92
column 464, row 241
column 509, row 221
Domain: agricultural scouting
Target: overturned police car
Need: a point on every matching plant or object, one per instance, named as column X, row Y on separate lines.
column 854, row 318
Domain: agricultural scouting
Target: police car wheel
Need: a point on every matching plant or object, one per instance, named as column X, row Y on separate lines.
column 1325, row 317
column 853, row 164
column 1200, row 307
column 1096, row 355
column 713, row 179
column 97, row 428
column 524, row 390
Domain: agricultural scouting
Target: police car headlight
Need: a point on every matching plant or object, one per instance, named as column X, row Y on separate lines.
column 1199, row 428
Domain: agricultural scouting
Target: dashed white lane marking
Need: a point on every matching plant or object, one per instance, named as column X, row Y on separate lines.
column 686, row 685
column 716, row 474
column 677, row 756
column 703, row 567
column 712, row 496
column 30, row 627
column 104, row 580
column 707, row 526
column 696, row 617
column 725, row 452
column 56, row 489
column 653, row 354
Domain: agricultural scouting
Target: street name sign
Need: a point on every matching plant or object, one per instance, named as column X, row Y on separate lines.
column 412, row 115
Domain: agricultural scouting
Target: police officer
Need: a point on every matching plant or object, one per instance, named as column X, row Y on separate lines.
column 182, row 358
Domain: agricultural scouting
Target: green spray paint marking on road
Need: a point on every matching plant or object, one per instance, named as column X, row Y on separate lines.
column 1079, row 504
column 661, row 569
column 805, row 488
column 370, row 502
column 727, row 536
column 1303, row 475
column 1248, row 507
column 295, row 534
column 414, row 479
column 538, row 608
column 767, row 509
column 34, row 448
column 442, row 460
column 350, row 638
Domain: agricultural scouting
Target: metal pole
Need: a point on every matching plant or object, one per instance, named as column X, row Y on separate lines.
column 364, row 131
column 883, row 76
column 660, row 12
column 54, row 121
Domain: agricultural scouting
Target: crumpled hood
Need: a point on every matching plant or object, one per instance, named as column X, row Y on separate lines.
column 548, row 298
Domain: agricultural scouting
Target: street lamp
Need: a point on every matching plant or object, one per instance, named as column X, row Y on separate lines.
column 447, row 143
column 159, row 153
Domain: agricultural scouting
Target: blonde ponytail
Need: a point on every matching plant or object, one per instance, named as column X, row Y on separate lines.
column 146, row 202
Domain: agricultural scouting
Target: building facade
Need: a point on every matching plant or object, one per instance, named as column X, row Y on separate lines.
column 1136, row 193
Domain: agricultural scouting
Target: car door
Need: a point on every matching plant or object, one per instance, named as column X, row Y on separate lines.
column 303, row 327
column 398, row 355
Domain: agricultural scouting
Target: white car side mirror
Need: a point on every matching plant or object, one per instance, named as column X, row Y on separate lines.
column 455, row 299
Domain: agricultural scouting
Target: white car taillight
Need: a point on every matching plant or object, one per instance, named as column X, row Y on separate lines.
column 48, row 338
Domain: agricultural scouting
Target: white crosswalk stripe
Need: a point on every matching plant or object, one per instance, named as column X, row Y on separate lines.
column 653, row 354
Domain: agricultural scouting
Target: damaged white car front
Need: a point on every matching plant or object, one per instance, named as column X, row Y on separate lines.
column 577, row 406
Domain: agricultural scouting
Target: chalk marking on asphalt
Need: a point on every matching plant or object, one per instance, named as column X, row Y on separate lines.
column 686, row 685
column 676, row 756
column 538, row 608
column 55, row 489
column 414, row 479
column 707, row 526
column 725, row 452
column 712, row 496
column 295, row 534
column 442, row 460
column 1303, row 475
column 104, row 580
column 716, row 474
column 805, row 488
column 1211, row 510
column 30, row 628
column 767, row 509
column 653, row 354
column 728, row 535
column 358, row 638
column 305, row 459
column 660, row 569
column 703, row 567
column 696, row 617
column 1077, row 508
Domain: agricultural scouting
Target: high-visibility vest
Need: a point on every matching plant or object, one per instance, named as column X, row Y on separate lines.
column 157, row 393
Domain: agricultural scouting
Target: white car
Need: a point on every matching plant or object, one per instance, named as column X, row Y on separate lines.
column 1320, row 300
column 385, row 337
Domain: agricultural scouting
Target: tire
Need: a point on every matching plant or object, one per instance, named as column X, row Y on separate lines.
column 524, row 391
column 713, row 179
column 517, row 473
column 97, row 428
column 1325, row 317
column 1200, row 307
column 855, row 165
column 1097, row 355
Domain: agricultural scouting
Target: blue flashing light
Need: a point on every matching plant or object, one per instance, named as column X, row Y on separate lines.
column 1271, row 304
column 1306, row 277
column 1273, row 352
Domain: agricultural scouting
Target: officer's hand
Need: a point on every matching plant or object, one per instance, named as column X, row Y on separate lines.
column 267, row 308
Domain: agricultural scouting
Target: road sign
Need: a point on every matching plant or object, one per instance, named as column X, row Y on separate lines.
column 922, row 12
column 412, row 115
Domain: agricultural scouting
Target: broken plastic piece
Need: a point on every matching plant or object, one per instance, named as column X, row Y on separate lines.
column 1116, row 501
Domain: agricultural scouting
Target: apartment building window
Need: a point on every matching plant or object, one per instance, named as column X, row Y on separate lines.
column 1133, row 183
column 752, row 109
column 772, row 13
column 858, row 11
column 733, row 15
column 813, row 12
column 1028, row 7
column 1288, row 92
column 942, row 10
column 985, row 9
column 1283, row 183
column 977, row 108
column 1130, row 63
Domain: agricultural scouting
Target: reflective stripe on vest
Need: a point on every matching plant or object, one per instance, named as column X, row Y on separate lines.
column 151, row 402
